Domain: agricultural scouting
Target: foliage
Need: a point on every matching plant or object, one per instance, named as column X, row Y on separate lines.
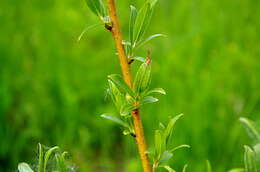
column 50, row 83
column 127, row 99
column 251, row 155
column 44, row 158
column 162, row 148
column 98, row 8
column 138, row 24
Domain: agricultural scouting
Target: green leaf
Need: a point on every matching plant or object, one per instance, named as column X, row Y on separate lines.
column 153, row 2
column 142, row 21
column 257, row 155
column 129, row 99
column 126, row 110
column 144, row 41
column 149, row 99
column 128, row 48
column 116, row 96
column 60, row 160
column 92, row 6
column 87, row 29
column 24, row 167
column 209, row 169
column 170, row 126
column 114, row 119
column 141, row 59
column 143, row 77
column 132, row 20
column 161, row 126
column 237, row 170
column 249, row 159
column 158, row 143
column 120, row 84
column 97, row 7
column 252, row 128
column 156, row 90
column 40, row 161
column 165, row 156
column 168, row 168
column 179, row 147
column 185, row 168
column 47, row 156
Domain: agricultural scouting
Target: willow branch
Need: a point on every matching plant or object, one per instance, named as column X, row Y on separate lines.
column 140, row 139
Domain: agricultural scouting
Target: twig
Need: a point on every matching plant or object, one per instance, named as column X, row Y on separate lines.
column 140, row 139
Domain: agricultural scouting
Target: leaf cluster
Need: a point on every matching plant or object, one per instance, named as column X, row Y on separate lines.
column 251, row 154
column 139, row 21
column 61, row 165
column 162, row 148
column 127, row 99
column 138, row 24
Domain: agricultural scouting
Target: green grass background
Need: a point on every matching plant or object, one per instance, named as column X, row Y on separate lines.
column 52, row 87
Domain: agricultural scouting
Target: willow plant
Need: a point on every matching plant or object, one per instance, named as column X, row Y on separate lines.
column 128, row 94
column 252, row 153
column 49, row 159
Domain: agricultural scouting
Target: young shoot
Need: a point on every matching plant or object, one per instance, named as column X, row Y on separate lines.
column 49, row 159
column 163, row 150
column 127, row 99
column 251, row 153
column 127, row 95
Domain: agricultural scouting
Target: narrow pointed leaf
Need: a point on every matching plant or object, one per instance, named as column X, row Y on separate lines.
column 249, row 159
column 60, row 160
column 179, row 147
column 169, row 169
column 92, row 6
column 166, row 156
column 40, row 160
column 252, row 129
column 153, row 2
column 142, row 21
column 170, row 126
column 87, row 29
column 141, row 59
column 144, row 41
column 158, row 143
column 185, row 168
column 132, row 20
column 149, row 99
column 47, row 156
column 126, row 110
column 143, row 77
column 97, row 7
column 209, row 169
column 257, row 155
column 24, row 167
column 120, row 84
column 114, row 119
column 116, row 96
column 156, row 90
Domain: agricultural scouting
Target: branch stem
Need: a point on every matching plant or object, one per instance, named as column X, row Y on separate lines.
column 140, row 139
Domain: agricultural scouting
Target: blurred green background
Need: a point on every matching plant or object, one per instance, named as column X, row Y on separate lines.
column 52, row 87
